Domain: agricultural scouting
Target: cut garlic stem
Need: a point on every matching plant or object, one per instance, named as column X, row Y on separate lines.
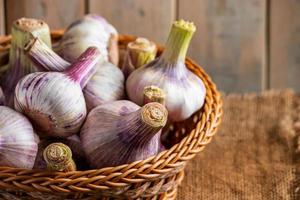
column 154, row 94
column 58, row 157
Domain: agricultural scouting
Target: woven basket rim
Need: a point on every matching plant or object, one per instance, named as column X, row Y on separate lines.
column 161, row 166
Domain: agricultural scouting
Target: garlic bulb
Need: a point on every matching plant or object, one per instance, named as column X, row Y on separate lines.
column 2, row 97
column 54, row 101
column 22, row 31
column 58, row 157
column 106, row 85
column 138, row 53
column 91, row 30
column 121, row 132
column 185, row 92
column 18, row 147
column 73, row 142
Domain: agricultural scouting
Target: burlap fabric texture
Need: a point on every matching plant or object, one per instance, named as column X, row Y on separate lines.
column 255, row 154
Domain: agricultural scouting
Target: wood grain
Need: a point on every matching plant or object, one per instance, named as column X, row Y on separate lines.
column 230, row 41
column 145, row 18
column 285, row 44
column 56, row 13
column 2, row 18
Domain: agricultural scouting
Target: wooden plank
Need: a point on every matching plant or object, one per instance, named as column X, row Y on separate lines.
column 57, row 13
column 2, row 18
column 145, row 18
column 230, row 41
column 285, row 44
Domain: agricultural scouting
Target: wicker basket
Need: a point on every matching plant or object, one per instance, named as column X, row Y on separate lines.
column 154, row 178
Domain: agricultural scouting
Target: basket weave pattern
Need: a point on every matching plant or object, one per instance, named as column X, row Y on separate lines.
column 154, row 178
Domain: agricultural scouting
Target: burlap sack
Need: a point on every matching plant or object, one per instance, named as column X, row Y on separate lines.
column 254, row 154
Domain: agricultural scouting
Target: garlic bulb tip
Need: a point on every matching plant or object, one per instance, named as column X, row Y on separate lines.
column 154, row 114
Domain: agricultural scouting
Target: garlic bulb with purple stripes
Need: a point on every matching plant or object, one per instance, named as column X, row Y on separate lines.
column 18, row 142
column 91, row 30
column 54, row 101
column 185, row 91
column 106, row 85
column 22, row 31
column 121, row 132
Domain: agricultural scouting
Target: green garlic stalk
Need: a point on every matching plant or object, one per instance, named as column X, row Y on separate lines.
column 23, row 30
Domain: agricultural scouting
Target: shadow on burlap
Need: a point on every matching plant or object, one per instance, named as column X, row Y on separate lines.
column 253, row 155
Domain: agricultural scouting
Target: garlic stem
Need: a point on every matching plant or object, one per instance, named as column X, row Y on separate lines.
column 141, row 51
column 44, row 57
column 178, row 41
column 138, row 53
column 58, row 157
column 154, row 94
column 154, row 115
column 145, row 122
column 83, row 68
column 23, row 30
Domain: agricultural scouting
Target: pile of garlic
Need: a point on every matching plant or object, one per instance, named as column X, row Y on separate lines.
column 73, row 106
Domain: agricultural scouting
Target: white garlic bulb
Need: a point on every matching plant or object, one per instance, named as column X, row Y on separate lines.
column 19, row 143
column 106, row 85
column 185, row 92
column 91, row 30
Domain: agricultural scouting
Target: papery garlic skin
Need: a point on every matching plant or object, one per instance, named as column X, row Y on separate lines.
column 54, row 101
column 106, row 85
column 91, row 30
column 120, row 132
column 18, row 144
column 185, row 92
column 23, row 30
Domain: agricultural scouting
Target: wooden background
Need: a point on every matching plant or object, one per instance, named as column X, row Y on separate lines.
column 245, row 45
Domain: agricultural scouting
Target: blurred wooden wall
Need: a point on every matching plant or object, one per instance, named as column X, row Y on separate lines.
column 245, row 46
